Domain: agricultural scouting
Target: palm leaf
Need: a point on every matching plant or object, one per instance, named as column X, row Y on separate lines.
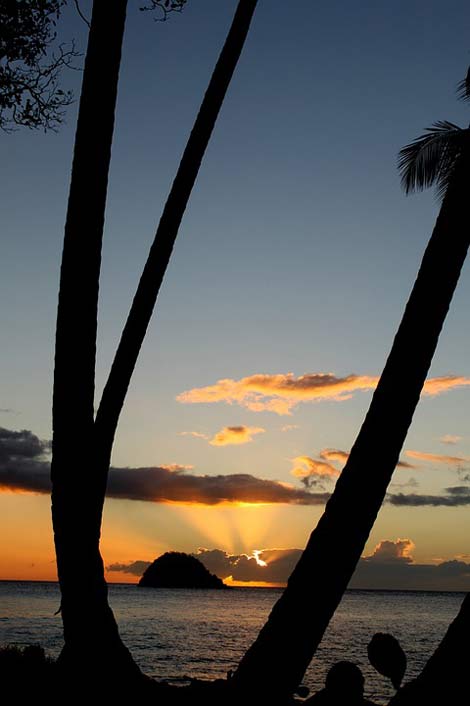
column 430, row 158
column 463, row 87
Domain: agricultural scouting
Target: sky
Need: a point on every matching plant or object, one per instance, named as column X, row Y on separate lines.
column 292, row 267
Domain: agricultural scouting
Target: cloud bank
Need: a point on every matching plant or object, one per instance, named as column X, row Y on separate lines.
column 390, row 566
column 282, row 392
column 23, row 468
column 456, row 496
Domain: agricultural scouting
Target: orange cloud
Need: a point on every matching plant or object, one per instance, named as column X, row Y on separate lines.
column 334, row 455
column 339, row 456
column 439, row 458
column 311, row 471
column 280, row 393
column 450, row 439
column 235, row 435
column 435, row 386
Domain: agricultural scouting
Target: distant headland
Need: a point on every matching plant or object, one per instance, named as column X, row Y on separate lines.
column 179, row 570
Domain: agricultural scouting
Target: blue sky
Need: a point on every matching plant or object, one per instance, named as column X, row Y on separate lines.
column 296, row 254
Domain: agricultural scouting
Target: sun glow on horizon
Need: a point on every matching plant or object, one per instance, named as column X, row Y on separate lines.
column 229, row 581
column 233, row 528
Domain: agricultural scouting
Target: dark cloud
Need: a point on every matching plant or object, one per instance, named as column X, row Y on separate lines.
column 411, row 483
column 136, row 568
column 404, row 575
column 388, row 551
column 268, row 565
column 452, row 497
column 23, row 468
column 164, row 485
column 405, row 464
column 21, row 445
column 458, row 490
column 22, row 461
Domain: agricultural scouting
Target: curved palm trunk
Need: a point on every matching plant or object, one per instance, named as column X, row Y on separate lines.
column 444, row 679
column 149, row 285
column 87, row 618
column 278, row 658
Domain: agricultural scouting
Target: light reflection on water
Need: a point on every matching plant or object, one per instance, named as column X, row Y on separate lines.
column 190, row 633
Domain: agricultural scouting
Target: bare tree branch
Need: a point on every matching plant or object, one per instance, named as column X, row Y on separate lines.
column 165, row 7
column 80, row 13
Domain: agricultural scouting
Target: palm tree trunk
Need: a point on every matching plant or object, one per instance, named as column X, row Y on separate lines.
column 87, row 618
column 444, row 679
column 89, row 624
column 149, row 285
column 278, row 658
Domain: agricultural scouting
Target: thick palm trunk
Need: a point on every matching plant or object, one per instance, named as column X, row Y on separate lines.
column 277, row 660
column 147, row 292
column 88, row 620
column 444, row 679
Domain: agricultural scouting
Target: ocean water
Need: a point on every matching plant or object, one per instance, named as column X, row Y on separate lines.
column 177, row 634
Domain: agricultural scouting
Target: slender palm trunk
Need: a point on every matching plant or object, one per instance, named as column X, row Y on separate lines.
column 278, row 658
column 89, row 624
column 149, row 285
column 87, row 618
column 444, row 679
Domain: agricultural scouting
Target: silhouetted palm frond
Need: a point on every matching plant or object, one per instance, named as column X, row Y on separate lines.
column 431, row 158
column 463, row 87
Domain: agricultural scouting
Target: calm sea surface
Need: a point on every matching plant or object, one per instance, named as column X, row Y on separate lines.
column 174, row 634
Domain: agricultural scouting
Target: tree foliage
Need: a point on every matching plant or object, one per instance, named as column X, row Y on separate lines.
column 30, row 93
column 431, row 159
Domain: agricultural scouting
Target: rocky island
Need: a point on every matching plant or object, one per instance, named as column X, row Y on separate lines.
column 179, row 570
